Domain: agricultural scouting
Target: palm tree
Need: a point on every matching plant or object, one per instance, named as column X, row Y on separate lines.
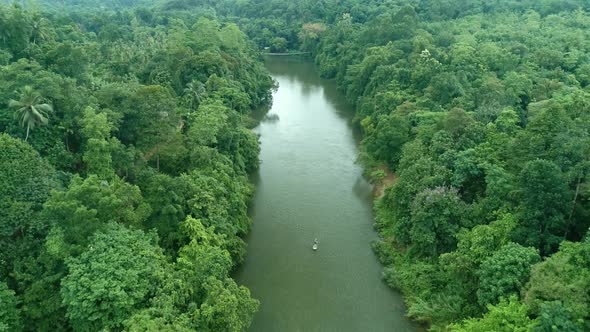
column 193, row 94
column 41, row 30
column 29, row 110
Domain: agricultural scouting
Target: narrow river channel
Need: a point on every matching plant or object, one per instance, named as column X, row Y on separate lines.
column 309, row 186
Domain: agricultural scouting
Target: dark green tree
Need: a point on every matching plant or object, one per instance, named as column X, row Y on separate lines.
column 555, row 317
column 545, row 198
column 437, row 214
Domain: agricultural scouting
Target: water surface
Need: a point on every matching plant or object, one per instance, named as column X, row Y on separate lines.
column 309, row 186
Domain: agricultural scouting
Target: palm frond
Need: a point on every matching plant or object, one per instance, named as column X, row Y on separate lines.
column 44, row 108
column 26, row 119
column 14, row 103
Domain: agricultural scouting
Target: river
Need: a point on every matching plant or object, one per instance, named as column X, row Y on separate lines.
column 309, row 186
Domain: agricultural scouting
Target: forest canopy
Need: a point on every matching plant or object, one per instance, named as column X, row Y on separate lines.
column 124, row 133
column 481, row 109
column 124, row 157
column 482, row 112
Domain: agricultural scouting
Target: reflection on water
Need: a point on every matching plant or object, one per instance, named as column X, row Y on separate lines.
column 270, row 117
column 308, row 187
column 362, row 189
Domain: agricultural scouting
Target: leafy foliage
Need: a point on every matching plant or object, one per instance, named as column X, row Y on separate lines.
column 227, row 306
column 508, row 315
column 505, row 272
column 9, row 316
column 125, row 207
column 117, row 274
column 481, row 110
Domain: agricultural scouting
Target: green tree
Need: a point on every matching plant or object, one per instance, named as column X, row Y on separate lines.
column 474, row 247
column 310, row 34
column 505, row 273
column 555, row 317
column 30, row 110
column 437, row 215
column 545, row 198
column 201, row 258
column 193, row 94
column 42, row 30
column 24, row 174
column 218, row 199
column 227, row 307
column 68, row 59
column 388, row 138
column 417, row 172
column 563, row 277
column 152, row 124
column 508, row 316
column 116, row 275
column 99, row 145
column 167, row 197
column 278, row 45
column 9, row 315
column 87, row 206
column 26, row 180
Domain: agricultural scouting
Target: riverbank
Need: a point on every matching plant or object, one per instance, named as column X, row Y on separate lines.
column 382, row 178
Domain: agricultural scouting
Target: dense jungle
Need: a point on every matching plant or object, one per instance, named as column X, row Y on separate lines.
column 126, row 156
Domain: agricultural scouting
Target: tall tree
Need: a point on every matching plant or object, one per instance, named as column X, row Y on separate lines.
column 545, row 201
column 99, row 144
column 30, row 110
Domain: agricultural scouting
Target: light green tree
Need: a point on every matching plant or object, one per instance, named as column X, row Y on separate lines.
column 508, row 316
column 563, row 277
column 99, row 144
column 9, row 316
column 227, row 307
column 116, row 275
